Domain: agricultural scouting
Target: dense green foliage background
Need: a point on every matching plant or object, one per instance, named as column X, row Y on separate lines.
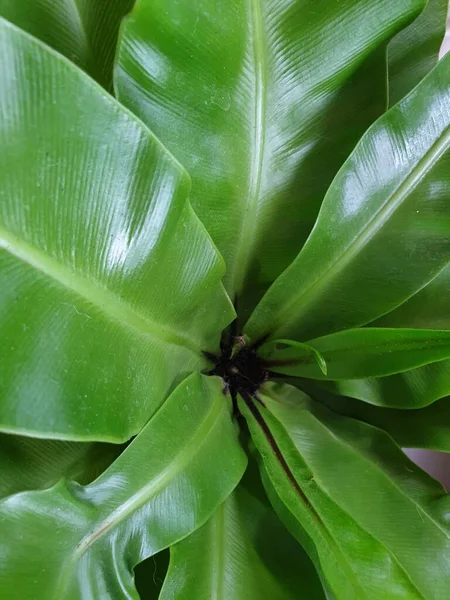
column 173, row 169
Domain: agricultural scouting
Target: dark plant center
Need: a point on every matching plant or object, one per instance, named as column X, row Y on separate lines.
column 239, row 366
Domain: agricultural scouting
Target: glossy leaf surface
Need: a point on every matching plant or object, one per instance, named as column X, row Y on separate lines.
column 357, row 353
column 428, row 309
column 31, row 464
column 427, row 427
column 281, row 354
column 164, row 486
column 412, row 389
column 84, row 31
column 319, row 466
column 243, row 552
column 415, row 50
column 109, row 284
column 261, row 101
column 383, row 231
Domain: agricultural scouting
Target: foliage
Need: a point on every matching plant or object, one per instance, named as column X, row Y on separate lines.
column 224, row 286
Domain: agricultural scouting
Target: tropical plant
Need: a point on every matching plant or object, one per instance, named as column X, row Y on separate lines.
column 224, row 292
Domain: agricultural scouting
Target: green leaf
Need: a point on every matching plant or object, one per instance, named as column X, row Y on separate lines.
column 165, row 485
column 415, row 50
column 282, row 356
column 427, row 427
column 375, row 524
column 109, row 285
column 261, row 101
column 428, row 309
column 357, row 353
column 84, row 31
column 29, row 464
column 412, row 389
column 383, row 231
column 419, row 387
column 243, row 552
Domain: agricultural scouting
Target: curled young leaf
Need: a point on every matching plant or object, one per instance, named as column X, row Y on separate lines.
column 358, row 353
column 282, row 356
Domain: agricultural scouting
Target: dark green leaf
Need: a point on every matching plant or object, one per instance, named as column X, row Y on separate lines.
column 412, row 389
column 29, row 464
column 376, row 525
column 284, row 355
column 109, row 284
column 358, row 353
column 261, row 101
column 85, row 31
column 383, row 231
column 428, row 309
column 165, row 485
column 242, row 553
column 415, row 51
column 427, row 427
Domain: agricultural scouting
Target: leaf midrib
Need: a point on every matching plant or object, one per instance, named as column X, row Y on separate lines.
column 352, row 449
column 176, row 465
column 103, row 300
column 391, row 482
column 331, row 536
column 257, row 142
column 320, row 524
column 307, row 296
column 287, row 474
column 420, row 510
